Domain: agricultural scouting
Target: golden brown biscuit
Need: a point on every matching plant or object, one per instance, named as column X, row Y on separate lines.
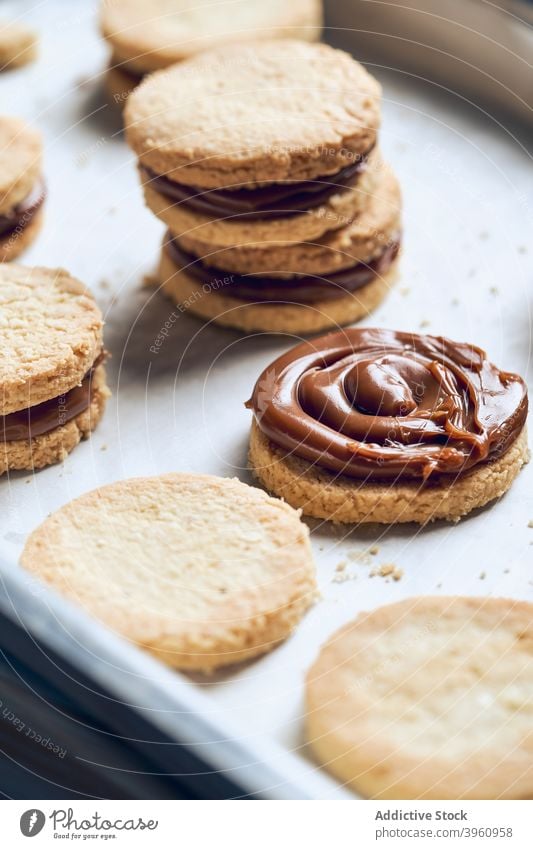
column 430, row 698
column 201, row 571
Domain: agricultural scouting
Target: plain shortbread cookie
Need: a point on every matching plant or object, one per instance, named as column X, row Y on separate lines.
column 201, row 571
column 430, row 698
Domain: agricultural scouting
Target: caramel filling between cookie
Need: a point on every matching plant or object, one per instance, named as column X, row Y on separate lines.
column 57, row 412
column 303, row 289
column 23, row 213
column 387, row 406
column 274, row 200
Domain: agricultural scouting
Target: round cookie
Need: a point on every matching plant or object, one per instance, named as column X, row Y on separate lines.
column 18, row 45
column 264, row 112
column 152, row 34
column 52, row 380
column 429, row 698
column 201, row 571
column 359, row 241
column 270, row 317
column 374, row 425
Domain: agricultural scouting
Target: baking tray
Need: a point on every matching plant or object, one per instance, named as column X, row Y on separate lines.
column 466, row 272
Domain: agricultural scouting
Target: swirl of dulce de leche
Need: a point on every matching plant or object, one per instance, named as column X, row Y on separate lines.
column 383, row 405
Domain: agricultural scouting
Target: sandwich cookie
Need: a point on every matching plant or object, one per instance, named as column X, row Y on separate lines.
column 201, row 571
column 22, row 190
column 18, row 45
column 147, row 35
column 250, row 168
column 430, row 698
column 300, row 288
column 52, row 379
column 372, row 425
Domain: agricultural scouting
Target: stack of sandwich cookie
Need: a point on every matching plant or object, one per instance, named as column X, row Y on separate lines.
column 22, row 191
column 52, row 379
column 282, row 215
column 147, row 35
column 370, row 425
column 201, row 571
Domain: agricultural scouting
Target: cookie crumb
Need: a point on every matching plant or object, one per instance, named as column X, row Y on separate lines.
column 424, row 323
column 374, row 550
column 530, row 523
column 387, row 570
column 482, row 576
column 340, row 567
column 494, row 290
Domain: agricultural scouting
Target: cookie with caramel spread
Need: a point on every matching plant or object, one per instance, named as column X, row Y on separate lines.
column 22, row 191
column 201, row 571
column 430, row 698
column 371, row 425
column 52, row 380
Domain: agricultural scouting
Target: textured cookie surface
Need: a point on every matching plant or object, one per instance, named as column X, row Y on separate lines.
column 268, row 111
column 202, row 571
column 430, row 698
column 18, row 45
column 151, row 34
column 339, row 498
column 50, row 335
column 20, row 161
